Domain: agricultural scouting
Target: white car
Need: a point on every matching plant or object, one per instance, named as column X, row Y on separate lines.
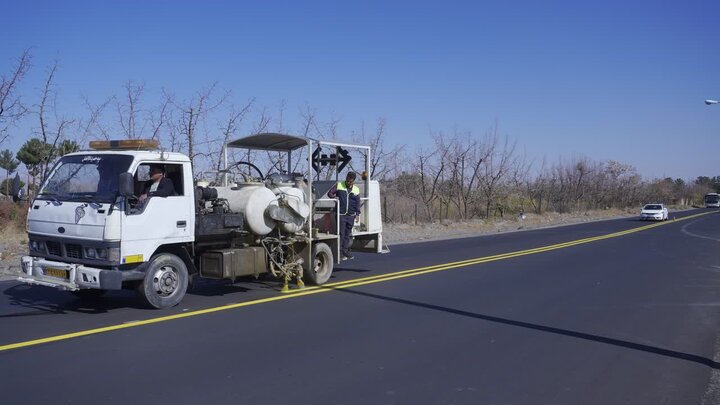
column 656, row 212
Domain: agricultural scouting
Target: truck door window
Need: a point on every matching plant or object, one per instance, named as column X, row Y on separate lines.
column 173, row 172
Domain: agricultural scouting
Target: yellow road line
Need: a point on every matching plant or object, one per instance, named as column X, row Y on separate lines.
column 340, row 285
column 496, row 257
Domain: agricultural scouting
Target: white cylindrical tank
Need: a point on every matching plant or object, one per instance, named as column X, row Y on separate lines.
column 295, row 199
column 251, row 201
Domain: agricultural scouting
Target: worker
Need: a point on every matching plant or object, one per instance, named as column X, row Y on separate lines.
column 158, row 185
column 348, row 195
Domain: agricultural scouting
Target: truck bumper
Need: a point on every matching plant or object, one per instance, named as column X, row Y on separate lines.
column 66, row 276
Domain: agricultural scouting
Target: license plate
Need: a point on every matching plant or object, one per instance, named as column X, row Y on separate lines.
column 59, row 273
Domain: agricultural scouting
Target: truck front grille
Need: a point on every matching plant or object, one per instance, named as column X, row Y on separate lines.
column 73, row 250
column 53, row 248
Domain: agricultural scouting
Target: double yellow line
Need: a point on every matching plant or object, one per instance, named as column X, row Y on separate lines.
column 339, row 285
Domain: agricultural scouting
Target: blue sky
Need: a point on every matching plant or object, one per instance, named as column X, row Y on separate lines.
column 606, row 80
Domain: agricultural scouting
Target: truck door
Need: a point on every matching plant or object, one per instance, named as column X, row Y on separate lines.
column 157, row 220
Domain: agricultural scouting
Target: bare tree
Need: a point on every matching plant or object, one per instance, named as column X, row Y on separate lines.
column 519, row 174
column 467, row 159
column 134, row 119
column 263, row 122
column 538, row 188
column 93, row 126
column 430, row 166
column 446, row 185
column 186, row 132
column 11, row 106
column 159, row 117
column 260, row 124
column 382, row 160
column 495, row 167
column 280, row 126
column 52, row 133
column 129, row 111
column 231, row 126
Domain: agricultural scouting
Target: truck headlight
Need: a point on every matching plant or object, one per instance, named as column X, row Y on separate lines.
column 34, row 245
column 113, row 254
column 102, row 253
column 90, row 253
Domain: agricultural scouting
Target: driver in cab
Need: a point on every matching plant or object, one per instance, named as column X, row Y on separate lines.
column 158, row 185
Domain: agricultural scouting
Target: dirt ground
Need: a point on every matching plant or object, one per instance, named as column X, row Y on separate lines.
column 13, row 241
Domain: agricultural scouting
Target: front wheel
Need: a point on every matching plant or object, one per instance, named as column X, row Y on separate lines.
column 319, row 270
column 165, row 283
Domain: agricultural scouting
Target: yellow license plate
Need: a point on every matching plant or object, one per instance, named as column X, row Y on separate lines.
column 59, row 273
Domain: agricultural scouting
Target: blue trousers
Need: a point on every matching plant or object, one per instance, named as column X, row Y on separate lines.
column 346, row 225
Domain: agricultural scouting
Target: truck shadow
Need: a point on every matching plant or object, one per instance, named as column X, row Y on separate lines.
column 213, row 288
column 549, row 329
column 44, row 300
column 352, row 269
column 41, row 300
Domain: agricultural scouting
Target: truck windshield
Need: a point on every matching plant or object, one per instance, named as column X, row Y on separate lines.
column 91, row 178
column 712, row 199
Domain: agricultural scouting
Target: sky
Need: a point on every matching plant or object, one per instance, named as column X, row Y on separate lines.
column 610, row 80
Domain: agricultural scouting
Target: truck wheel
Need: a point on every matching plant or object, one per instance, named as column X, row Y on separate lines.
column 319, row 271
column 89, row 294
column 165, row 283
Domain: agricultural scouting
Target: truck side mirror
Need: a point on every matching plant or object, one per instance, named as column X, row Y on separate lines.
column 126, row 185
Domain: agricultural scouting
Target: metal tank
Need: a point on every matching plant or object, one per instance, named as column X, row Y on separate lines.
column 279, row 203
column 252, row 200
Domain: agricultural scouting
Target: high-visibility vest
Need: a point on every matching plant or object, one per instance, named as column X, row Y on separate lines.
column 344, row 197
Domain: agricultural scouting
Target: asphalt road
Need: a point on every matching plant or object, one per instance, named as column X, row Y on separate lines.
column 620, row 315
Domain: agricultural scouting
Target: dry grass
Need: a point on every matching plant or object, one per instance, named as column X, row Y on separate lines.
column 12, row 214
column 13, row 239
column 394, row 233
column 13, row 244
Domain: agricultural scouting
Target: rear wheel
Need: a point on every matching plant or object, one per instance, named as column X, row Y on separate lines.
column 165, row 283
column 319, row 270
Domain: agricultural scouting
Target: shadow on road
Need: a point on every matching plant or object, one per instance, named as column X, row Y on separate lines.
column 213, row 288
column 46, row 300
column 43, row 300
column 350, row 269
column 548, row 329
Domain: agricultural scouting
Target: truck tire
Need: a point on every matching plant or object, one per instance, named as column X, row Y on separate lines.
column 318, row 272
column 165, row 283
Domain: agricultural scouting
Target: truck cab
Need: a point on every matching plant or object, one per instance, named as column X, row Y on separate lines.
column 83, row 234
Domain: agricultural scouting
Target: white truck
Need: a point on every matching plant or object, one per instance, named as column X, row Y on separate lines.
column 89, row 233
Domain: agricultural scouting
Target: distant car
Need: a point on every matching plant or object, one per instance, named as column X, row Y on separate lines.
column 712, row 200
column 656, row 212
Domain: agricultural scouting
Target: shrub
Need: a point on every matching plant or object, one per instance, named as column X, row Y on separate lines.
column 12, row 214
